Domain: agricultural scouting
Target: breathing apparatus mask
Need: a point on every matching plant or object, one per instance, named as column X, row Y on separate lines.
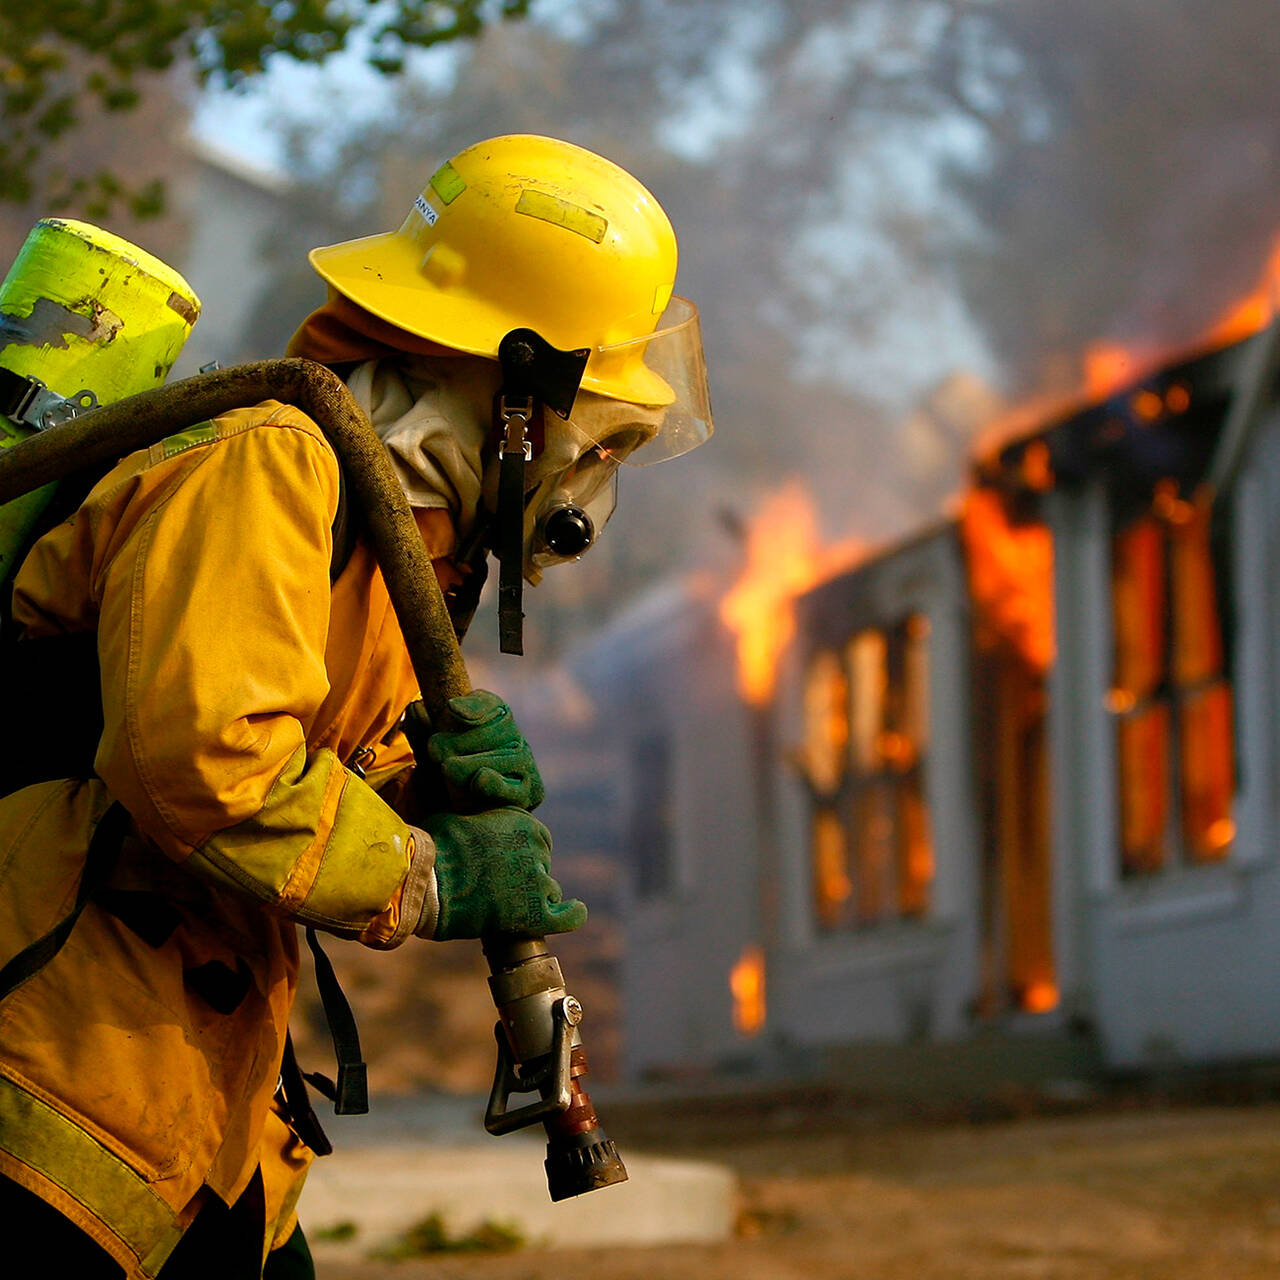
column 567, row 513
column 575, row 461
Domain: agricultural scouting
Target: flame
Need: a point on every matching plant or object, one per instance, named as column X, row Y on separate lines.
column 1147, row 406
column 1220, row 834
column 830, row 867
column 746, row 984
column 1255, row 310
column 1011, row 577
column 1120, row 701
column 1108, row 367
column 1037, row 467
column 1041, row 997
column 784, row 558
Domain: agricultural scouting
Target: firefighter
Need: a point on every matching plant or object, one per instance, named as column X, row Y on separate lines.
column 251, row 772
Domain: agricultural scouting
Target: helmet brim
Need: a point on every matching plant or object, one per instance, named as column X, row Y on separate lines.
column 383, row 274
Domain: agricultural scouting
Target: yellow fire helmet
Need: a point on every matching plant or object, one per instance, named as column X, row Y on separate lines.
column 530, row 232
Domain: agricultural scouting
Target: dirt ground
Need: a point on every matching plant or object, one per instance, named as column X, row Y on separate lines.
column 1147, row 1194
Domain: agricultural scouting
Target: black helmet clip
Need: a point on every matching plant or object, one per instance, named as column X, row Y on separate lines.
column 534, row 374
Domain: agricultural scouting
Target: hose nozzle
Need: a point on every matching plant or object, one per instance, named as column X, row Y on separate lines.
column 539, row 1049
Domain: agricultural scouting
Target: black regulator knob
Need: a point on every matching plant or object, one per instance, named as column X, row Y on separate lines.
column 568, row 530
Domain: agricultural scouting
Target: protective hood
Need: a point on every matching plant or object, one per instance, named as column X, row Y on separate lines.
column 339, row 332
column 433, row 409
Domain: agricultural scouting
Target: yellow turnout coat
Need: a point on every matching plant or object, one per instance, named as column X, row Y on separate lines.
column 237, row 684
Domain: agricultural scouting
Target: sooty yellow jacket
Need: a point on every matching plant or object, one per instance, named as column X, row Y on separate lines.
column 236, row 683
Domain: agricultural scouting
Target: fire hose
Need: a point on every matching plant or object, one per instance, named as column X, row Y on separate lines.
column 539, row 1046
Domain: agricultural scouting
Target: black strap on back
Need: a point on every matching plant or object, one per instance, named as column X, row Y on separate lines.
column 52, row 700
column 16, row 393
column 104, row 849
column 306, row 1124
column 472, row 557
column 350, row 1095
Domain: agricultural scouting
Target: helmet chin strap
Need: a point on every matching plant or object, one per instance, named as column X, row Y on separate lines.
column 534, row 374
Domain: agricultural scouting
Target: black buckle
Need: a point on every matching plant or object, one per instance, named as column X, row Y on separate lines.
column 532, row 367
column 29, row 402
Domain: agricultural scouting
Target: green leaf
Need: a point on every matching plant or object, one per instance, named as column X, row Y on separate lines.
column 56, row 53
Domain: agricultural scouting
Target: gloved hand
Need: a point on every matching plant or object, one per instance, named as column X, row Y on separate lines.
column 483, row 757
column 493, row 876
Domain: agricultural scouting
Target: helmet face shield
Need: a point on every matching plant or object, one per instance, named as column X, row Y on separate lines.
column 671, row 365
column 578, row 493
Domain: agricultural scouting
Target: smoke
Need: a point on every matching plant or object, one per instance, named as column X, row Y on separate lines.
column 875, row 199
column 1152, row 202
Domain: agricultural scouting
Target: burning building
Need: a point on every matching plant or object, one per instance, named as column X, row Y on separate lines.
column 1019, row 771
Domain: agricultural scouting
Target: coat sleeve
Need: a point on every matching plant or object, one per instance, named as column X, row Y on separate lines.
column 213, row 619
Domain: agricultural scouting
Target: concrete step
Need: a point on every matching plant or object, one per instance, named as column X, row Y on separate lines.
column 383, row 1191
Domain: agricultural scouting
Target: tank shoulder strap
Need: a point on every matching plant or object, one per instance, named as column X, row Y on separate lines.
column 104, row 848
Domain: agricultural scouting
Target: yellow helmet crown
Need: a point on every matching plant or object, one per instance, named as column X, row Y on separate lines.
column 525, row 231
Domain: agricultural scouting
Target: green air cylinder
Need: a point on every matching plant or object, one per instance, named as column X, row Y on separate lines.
column 83, row 310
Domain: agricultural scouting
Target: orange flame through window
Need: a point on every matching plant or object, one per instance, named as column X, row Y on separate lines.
column 746, row 984
column 1011, row 577
column 784, row 558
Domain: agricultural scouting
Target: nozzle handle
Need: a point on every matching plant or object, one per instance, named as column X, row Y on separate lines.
column 550, row 1078
column 528, row 990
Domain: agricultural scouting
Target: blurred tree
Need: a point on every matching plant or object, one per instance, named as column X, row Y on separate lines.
column 64, row 60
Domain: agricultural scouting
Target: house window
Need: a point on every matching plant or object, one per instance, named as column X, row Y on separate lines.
column 866, row 736
column 1170, row 697
column 826, row 719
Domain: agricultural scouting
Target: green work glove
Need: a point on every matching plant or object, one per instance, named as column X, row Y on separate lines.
column 493, row 875
column 483, row 757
